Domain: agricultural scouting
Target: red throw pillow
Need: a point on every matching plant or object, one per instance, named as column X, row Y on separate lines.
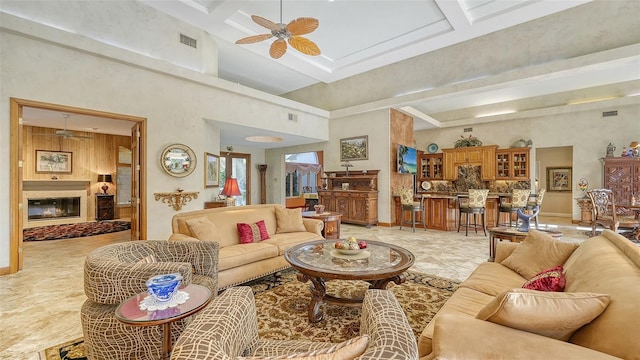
column 547, row 280
column 252, row 232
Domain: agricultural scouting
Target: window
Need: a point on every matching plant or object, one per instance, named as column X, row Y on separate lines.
column 302, row 173
column 237, row 165
column 123, row 176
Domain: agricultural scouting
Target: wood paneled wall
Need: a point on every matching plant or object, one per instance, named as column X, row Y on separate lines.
column 90, row 157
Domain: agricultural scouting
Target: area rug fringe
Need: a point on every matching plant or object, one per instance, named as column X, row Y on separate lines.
column 282, row 301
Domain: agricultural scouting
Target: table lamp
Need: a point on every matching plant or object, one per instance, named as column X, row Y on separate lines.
column 231, row 189
column 105, row 178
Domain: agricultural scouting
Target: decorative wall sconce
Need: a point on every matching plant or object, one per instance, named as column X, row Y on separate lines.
column 176, row 199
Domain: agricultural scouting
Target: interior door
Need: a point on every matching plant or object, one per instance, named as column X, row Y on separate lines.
column 135, row 181
column 20, row 175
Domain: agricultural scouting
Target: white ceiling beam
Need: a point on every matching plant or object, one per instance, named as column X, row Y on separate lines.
column 455, row 14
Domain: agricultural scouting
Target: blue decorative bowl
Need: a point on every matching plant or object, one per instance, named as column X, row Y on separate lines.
column 162, row 287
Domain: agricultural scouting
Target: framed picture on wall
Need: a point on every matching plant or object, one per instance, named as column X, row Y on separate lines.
column 354, row 148
column 53, row 161
column 211, row 170
column 559, row 179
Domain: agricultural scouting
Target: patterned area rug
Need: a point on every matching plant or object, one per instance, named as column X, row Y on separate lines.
column 282, row 310
column 67, row 231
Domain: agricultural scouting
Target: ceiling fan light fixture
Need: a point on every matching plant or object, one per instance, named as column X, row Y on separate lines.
column 290, row 32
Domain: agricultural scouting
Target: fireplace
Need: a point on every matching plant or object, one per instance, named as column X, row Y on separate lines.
column 54, row 202
column 53, row 208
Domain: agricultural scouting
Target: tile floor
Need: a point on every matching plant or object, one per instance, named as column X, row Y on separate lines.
column 41, row 304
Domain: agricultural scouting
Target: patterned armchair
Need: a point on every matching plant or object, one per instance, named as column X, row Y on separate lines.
column 228, row 329
column 517, row 200
column 115, row 272
column 606, row 213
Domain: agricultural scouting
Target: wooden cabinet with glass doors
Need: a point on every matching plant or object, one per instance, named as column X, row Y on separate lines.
column 512, row 164
column 430, row 167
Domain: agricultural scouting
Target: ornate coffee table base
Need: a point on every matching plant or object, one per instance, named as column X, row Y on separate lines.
column 319, row 293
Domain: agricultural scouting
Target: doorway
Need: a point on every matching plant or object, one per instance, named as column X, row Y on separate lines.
column 17, row 107
column 238, row 166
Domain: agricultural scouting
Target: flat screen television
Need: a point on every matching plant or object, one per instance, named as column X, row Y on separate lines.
column 407, row 160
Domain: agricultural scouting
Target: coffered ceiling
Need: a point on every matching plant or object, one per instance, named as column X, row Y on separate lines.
column 356, row 36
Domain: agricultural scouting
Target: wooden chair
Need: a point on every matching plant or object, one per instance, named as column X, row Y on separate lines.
column 605, row 213
column 474, row 204
column 408, row 204
column 518, row 200
column 534, row 205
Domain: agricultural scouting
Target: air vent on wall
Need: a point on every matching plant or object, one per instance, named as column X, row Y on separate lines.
column 188, row 41
column 293, row 117
column 468, row 129
column 610, row 113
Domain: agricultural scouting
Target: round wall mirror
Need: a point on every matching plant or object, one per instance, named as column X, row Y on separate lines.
column 178, row 160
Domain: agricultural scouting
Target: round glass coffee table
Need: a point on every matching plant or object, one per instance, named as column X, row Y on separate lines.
column 318, row 261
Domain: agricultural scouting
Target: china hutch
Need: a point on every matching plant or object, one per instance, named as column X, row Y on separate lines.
column 354, row 195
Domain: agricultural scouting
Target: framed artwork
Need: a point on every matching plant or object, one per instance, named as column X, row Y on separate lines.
column 354, row 148
column 211, row 170
column 559, row 179
column 53, row 161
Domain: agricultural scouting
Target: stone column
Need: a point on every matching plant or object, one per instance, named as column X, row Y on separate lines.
column 263, row 183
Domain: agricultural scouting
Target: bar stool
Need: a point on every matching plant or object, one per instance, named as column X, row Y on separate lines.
column 406, row 199
column 533, row 205
column 519, row 199
column 474, row 204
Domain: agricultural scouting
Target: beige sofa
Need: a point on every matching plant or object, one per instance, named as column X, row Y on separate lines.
column 606, row 264
column 239, row 263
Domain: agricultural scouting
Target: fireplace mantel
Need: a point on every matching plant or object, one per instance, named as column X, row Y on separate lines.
column 55, row 184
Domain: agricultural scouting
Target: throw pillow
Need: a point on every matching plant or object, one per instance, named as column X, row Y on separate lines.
column 552, row 314
column 538, row 251
column 289, row 220
column 203, row 229
column 346, row 350
column 547, row 280
column 250, row 233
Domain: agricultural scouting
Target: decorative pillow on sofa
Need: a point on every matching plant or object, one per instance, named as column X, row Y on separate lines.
column 346, row 350
column 203, row 229
column 538, row 251
column 547, row 280
column 552, row 314
column 250, row 233
column 289, row 220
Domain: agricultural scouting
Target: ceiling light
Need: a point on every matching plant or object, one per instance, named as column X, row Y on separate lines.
column 264, row 139
column 586, row 101
column 495, row 113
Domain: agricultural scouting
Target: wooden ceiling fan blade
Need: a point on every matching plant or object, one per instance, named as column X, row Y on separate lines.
column 264, row 22
column 254, row 39
column 304, row 45
column 278, row 48
column 302, row 26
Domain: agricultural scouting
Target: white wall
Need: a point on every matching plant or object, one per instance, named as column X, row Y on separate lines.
column 46, row 64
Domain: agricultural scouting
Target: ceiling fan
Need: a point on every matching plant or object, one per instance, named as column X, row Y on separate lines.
column 290, row 32
column 66, row 134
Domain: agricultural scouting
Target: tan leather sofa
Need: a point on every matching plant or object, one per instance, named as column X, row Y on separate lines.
column 239, row 263
column 605, row 264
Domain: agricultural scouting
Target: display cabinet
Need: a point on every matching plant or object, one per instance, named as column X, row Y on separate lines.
column 512, row 164
column 430, row 167
column 622, row 176
column 355, row 196
column 104, row 207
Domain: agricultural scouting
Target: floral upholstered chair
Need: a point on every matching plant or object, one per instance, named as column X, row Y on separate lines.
column 228, row 329
column 408, row 203
column 474, row 204
column 116, row 272
column 510, row 205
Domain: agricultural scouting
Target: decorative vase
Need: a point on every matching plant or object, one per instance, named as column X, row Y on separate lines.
column 319, row 209
column 610, row 149
column 163, row 287
column 526, row 219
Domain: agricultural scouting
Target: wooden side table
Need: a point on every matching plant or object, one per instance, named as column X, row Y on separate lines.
column 331, row 222
column 214, row 204
column 129, row 312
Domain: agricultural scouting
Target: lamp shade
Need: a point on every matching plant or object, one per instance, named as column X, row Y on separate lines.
column 231, row 188
column 105, row 178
